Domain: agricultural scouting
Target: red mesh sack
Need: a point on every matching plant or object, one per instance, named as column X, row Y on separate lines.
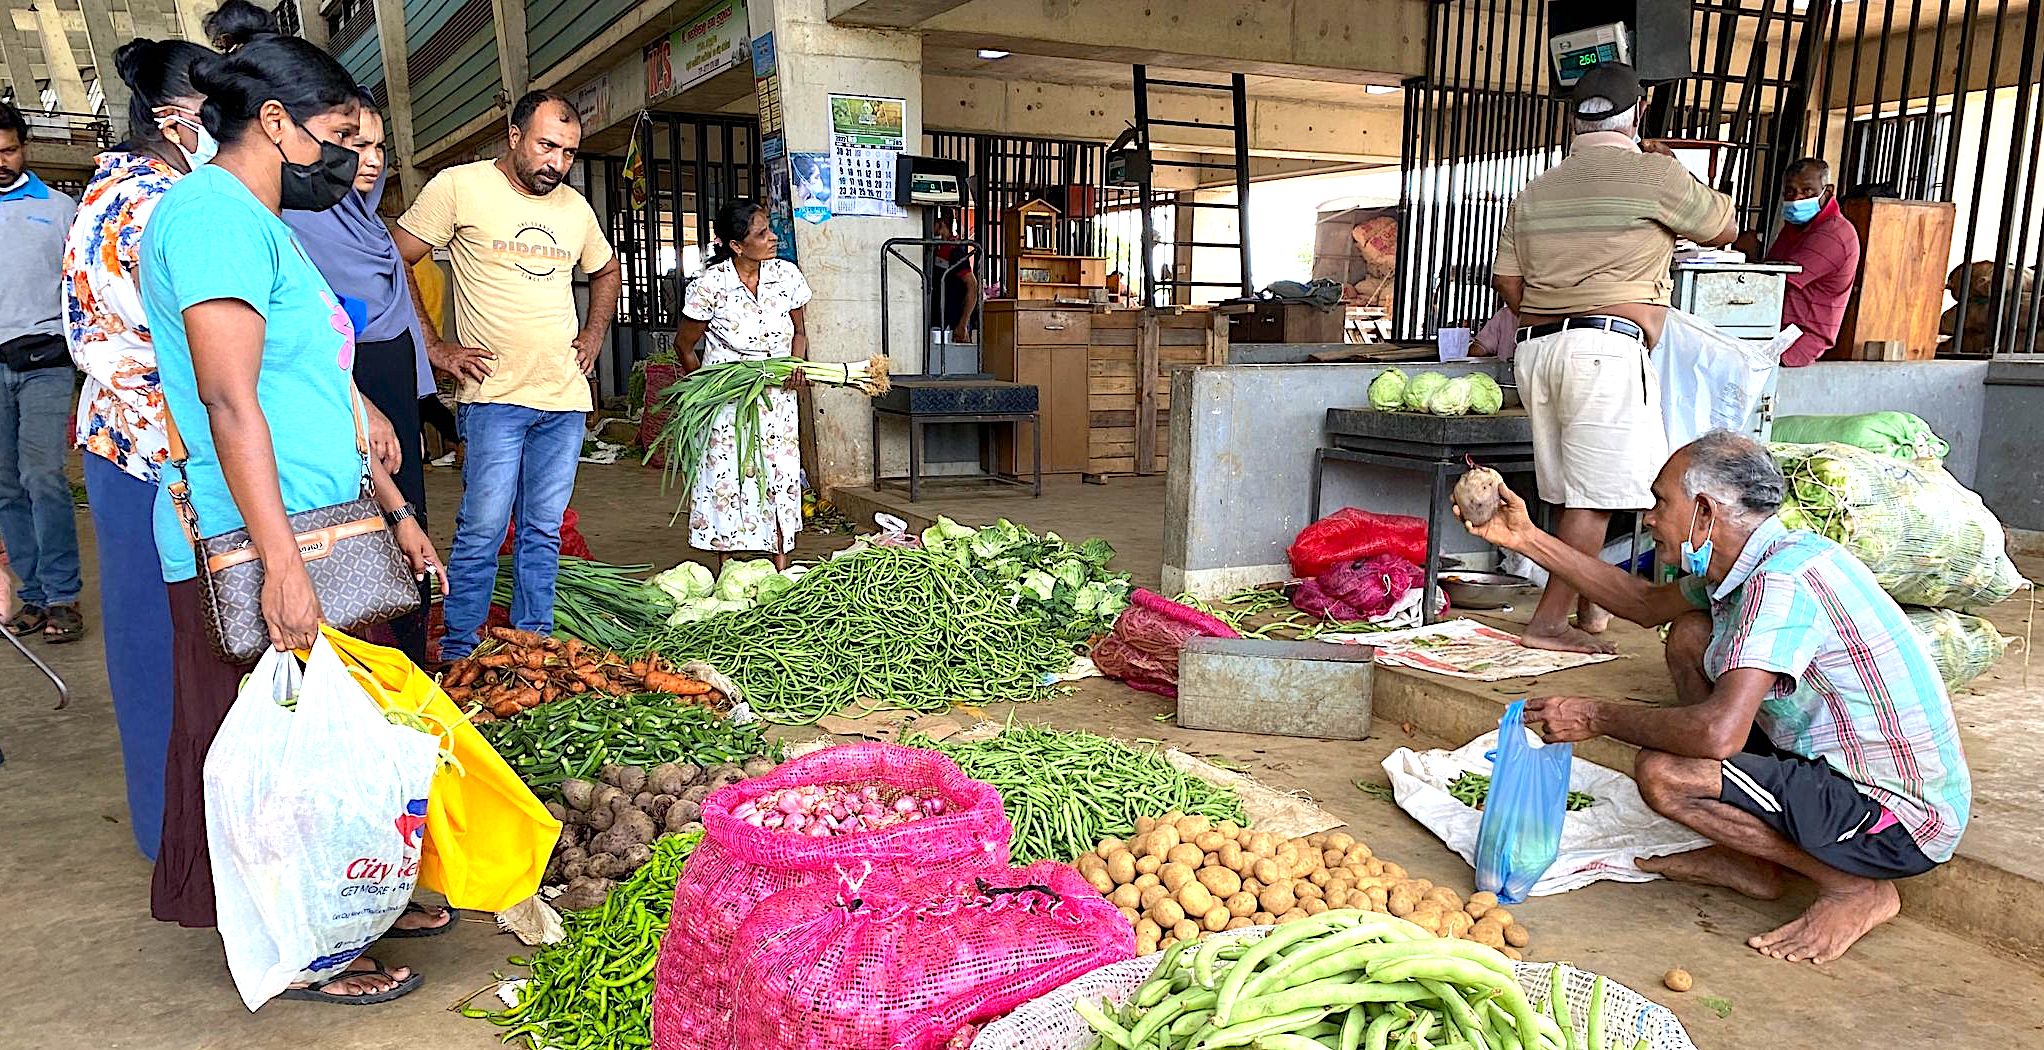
column 652, row 419
column 1350, row 534
column 1359, row 590
column 1143, row 648
column 738, row 866
column 908, row 963
column 572, row 543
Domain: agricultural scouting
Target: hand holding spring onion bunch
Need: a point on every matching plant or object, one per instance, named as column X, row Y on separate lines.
column 692, row 407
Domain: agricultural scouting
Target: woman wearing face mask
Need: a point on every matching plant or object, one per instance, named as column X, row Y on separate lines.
column 120, row 410
column 352, row 248
column 254, row 352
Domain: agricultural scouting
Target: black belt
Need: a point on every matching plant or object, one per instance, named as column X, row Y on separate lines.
column 1614, row 325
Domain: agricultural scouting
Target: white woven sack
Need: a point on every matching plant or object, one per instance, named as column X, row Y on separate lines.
column 1048, row 1022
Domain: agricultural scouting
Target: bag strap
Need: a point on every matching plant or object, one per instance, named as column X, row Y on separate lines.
column 181, row 489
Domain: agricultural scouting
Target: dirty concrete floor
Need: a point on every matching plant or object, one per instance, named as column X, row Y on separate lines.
column 88, row 968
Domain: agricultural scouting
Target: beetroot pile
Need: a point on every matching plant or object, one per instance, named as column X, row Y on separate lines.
column 823, row 810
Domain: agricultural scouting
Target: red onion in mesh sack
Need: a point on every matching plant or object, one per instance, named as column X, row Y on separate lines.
column 1359, row 590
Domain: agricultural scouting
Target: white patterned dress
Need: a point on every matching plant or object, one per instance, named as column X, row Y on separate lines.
column 725, row 510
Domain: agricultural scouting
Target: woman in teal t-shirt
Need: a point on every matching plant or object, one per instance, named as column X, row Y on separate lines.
column 255, row 355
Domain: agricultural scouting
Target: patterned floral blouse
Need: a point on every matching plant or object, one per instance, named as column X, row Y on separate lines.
column 120, row 411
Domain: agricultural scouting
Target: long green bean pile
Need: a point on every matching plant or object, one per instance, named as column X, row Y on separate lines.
column 593, row 989
column 576, row 736
column 887, row 627
column 604, row 605
column 1065, row 791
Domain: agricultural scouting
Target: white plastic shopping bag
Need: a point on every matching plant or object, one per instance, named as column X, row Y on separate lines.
column 1709, row 380
column 1600, row 842
column 314, row 817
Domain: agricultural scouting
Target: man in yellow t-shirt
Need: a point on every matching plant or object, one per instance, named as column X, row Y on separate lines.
column 515, row 235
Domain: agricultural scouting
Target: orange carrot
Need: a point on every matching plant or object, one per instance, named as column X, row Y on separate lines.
column 499, row 660
column 521, row 639
column 679, row 685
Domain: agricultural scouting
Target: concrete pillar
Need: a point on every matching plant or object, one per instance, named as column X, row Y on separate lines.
column 397, row 86
column 28, row 94
column 311, row 24
column 191, row 18
column 58, row 60
column 841, row 257
column 513, row 57
column 103, row 37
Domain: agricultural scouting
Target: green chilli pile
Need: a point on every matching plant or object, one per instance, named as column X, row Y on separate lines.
column 593, row 989
column 576, row 736
column 1066, row 791
column 886, row 627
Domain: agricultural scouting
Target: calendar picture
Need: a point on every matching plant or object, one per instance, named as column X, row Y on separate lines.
column 865, row 140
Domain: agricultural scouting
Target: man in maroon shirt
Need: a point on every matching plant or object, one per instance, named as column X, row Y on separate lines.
column 1820, row 240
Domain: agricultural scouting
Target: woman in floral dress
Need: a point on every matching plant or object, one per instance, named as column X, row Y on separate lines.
column 747, row 305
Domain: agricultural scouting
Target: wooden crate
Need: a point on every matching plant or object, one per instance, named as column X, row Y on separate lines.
column 1129, row 364
column 1903, row 248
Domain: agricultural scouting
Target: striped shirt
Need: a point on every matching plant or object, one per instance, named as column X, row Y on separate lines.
column 1599, row 228
column 1857, row 686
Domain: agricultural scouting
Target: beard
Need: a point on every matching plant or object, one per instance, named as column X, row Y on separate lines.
column 541, row 181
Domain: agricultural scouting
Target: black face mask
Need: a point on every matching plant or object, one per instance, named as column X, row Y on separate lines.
column 321, row 184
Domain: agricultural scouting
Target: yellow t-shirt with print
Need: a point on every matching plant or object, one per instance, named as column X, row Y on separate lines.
column 514, row 257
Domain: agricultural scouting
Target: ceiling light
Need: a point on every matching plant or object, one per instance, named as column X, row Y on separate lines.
column 1380, row 89
column 990, row 54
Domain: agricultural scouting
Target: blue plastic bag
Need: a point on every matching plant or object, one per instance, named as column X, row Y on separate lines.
column 1521, row 831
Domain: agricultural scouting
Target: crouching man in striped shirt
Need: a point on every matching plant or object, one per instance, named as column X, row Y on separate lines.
column 1813, row 733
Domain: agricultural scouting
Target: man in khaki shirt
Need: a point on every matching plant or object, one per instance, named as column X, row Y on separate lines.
column 516, row 236
column 1584, row 263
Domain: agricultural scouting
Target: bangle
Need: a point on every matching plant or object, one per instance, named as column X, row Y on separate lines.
column 405, row 513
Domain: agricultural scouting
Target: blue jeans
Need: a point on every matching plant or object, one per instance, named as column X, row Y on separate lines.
column 521, row 461
column 135, row 608
column 38, row 518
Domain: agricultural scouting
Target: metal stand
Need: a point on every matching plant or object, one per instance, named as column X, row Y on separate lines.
column 985, row 420
column 63, row 691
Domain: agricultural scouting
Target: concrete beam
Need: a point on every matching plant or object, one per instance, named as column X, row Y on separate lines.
column 1351, row 41
column 1888, row 86
column 58, row 60
column 514, row 56
column 103, row 38
column 191, row 15
column 14, row 53
column 887, row 14
column 397, row 83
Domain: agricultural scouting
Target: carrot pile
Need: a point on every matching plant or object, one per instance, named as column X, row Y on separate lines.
column 514, row 671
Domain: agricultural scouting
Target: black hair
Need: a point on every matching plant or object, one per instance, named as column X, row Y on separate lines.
column 236, row 23
column 733, row 222
column 10, row 120
column 1806, row 165
column 529, row 103
column 156, row 71
column 301, row 77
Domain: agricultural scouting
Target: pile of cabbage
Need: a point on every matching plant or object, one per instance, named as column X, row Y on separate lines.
column 698, row 594
column 1067, row 587
column 1474, row 394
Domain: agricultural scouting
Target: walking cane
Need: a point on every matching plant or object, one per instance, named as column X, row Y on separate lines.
column 7, row 612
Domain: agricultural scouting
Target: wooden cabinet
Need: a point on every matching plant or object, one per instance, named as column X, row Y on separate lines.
column 1044, row 346
column 1903, row 248
column 1275, row 322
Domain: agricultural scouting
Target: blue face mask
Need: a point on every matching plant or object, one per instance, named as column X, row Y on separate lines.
column 1802, row 211
column 1696, row 560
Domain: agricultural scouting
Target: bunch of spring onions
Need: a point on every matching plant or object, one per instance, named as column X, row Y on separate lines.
column 692, row 407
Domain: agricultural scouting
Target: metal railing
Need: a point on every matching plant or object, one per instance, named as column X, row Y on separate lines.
column 77, row 129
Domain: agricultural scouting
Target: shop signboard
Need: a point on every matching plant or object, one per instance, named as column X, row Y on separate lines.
column 715, row 40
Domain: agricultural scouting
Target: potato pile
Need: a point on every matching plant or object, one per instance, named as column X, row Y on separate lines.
column 1182, row 877
column 608, row 827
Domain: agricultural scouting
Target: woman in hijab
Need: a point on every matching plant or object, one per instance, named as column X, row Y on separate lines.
column 352, row 248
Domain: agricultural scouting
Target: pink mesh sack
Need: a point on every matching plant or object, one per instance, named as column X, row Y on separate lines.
column 739, row 865
column 1143, row 648
column 855, row 964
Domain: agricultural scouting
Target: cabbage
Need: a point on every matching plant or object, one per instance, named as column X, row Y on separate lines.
column 1453, row 398
column 1387, row 391
column 772, row 587
column 1485, row 399
column 1421, row 389
column 686, row 581
column 945, row 532
column 740, row 578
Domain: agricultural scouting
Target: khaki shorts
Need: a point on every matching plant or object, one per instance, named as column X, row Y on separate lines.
column 1595, row 405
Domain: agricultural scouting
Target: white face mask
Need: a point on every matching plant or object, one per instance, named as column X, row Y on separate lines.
column 204, row 152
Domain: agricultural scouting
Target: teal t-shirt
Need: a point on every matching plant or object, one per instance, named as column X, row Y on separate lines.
column 209, row 238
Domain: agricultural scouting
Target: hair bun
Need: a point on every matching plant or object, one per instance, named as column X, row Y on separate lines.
column 133, row 57
column 238, row 22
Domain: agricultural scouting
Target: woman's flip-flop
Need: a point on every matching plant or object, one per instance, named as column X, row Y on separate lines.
column 424, row 931
column 315, row 992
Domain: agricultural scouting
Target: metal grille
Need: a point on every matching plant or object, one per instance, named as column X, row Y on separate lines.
column 1880, row 152
column 1009, row 171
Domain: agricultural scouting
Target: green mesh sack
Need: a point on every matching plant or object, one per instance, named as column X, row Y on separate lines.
column 1897, row 434
column 1963, row 646
column 1928, row 539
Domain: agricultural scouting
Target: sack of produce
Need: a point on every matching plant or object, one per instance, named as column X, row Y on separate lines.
column 1352, row 534
column 1520, row 835
column 1964, row 646
column 1143, row 648
column 853, row 807
column 875, row 961
column 1928, row 539
column 1899, row 435
column 1359, row 590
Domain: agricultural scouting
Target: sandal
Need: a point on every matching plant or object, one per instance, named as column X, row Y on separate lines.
column 27, row 620
column 424, row 931
column 64, row 624
column 315, row 992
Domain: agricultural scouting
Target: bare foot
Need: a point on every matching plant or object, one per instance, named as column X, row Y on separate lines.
column 1833, row 923
column 1718, row 866
column 1564, row 639
column 1591, row 618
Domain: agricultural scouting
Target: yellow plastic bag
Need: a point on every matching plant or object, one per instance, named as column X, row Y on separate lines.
column 487, row 837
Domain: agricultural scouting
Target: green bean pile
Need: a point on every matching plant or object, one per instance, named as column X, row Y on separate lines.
column 577, row 735
column 887, row 627
column 1065, row 791
column 1473, row 789
column 593, row 989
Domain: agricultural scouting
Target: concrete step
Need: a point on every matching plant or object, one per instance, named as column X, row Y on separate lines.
column 1983, row 899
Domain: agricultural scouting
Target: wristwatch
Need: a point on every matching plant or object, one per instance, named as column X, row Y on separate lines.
column 404, row 513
